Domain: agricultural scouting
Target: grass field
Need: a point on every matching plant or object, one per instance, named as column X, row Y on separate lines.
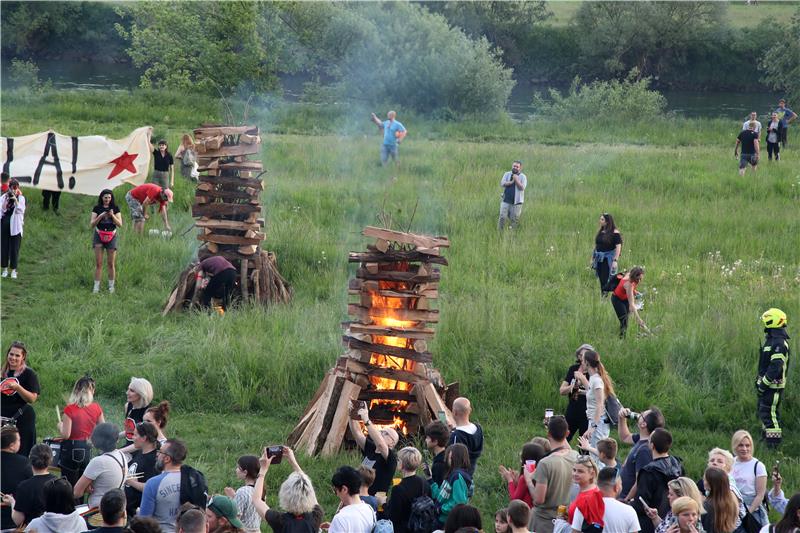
column 718, row 250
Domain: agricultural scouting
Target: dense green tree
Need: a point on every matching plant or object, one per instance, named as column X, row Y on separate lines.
column 653, row 37
column 781, row 63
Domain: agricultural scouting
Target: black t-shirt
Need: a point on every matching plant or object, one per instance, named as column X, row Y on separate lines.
column 30, row 496
column 384, row 468
column 748, row 139
column 133, row 417
column 602, row 245
column 438, row 469
column 14, row 469
column 510, row 193
column 107, row 224
column 398, row 507
column 140, row 463
column 162, row 163
column 311, row 521
column 574, row 397
column 29, row 382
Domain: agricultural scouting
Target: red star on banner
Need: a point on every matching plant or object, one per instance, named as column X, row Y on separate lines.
column 123, row 162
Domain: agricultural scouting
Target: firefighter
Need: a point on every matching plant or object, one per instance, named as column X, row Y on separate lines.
column 772, row 364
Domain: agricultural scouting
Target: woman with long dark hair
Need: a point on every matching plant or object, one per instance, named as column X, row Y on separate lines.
column 106, row 218
column 607, row 249
column 517, row 485
column 457, row 486
column 724, row 511
column 80, row 417
column 20, row 389
column 624, row 299
column 598, row 387
column 790, row 523
column 12, row 219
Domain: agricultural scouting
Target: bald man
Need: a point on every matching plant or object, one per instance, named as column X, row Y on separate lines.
column 393, row 133
column 378, row 450
column 467, row 433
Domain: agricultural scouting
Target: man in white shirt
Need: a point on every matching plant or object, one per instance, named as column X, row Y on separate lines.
column 617, row 517
column 354, row 516
column 752, row 118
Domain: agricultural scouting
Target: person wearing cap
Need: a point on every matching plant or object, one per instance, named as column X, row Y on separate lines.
column 771, row 381
column 146, row 194
column 573, row 387
column 222, row 517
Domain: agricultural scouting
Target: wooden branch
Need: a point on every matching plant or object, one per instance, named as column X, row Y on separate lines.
column 219, row 210
column 211, row 131
column 229, row 151
column 230, row 239
column 384, row 349
column 376, row 329
column 227, row 224
column 421, row 241
column 394, row 256
column 365, row 314
column 419, row 289
column 248, row 193
column 431, row 294
column 233, row 180
column 358, row 367
column 394, row 395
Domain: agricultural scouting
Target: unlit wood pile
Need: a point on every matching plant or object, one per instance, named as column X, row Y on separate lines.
column 387, row 363
column 228, row 207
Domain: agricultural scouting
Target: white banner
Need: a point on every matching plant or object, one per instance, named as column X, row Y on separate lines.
column 84, row 165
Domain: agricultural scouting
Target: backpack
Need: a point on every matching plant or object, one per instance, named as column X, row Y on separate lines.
column 193, row 487
column 613, row 407
column 383, row 526
column 189, row 158
column 424, row 516
column 591, row 528
column 613, row 282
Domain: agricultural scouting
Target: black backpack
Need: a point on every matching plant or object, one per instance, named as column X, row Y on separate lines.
column 613, row 407
column 613, row 282
column 424, row 516
column 193, row 487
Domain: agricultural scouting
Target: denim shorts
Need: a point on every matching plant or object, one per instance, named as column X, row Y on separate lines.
column 744, row 159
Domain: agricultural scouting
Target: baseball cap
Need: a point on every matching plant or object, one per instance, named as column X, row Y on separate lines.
column 168, row 194
column 224, row 507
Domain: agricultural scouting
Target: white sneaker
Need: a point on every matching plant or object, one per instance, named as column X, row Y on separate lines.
column 95, row 290
column 111, row 289
column 13, row 274
column 4, row 274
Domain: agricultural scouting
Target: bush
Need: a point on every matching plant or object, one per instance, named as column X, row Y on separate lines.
column 24, row 74
column 629, row 99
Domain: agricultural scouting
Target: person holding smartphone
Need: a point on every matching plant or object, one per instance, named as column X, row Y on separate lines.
column 573, row 388
column 12, row 219
column 106, row 218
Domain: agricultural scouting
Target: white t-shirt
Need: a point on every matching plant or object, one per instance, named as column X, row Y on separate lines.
column 357, row 518
column 745, row 480
column 746, row 126
column 618, row 518
column 107, row 472
column 773, row 134
column 592, row 395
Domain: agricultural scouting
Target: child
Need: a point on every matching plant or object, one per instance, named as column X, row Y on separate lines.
column 605, row 455
column 367, row 479
column 501, row 521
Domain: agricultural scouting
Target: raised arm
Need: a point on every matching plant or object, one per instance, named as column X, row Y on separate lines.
column 380, row 444
column 258, row 490
column 358, row 435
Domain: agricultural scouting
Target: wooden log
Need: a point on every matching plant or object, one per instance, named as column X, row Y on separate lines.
column 233, row 166
column 396, row 275
column 218, row 210
column 256, row 285
column 451, row 392
column 309, row 412
column 248, row 249
column 227, row 224
column 384, row 349
column 212, row 130
column 431, row 294
column 243, row 279
column 393, row 256
column 233, row 180
column 421, row 241
column 420, row 346
column 393, row 395
column 249, row 139
column 435, row 402
column 359, row 367
column 341, row 418
column 382, row 245
column 229, row 151
column 307, row 441
column 230, row 239
column 421, row 289
column 372, row 268
column 249, row 193
column 424, row 411
column 387, row 331
column 400, row 314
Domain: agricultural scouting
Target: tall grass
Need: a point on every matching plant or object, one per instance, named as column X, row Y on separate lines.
column 718, row 249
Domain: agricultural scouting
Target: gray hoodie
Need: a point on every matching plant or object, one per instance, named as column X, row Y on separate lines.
column 58, row 523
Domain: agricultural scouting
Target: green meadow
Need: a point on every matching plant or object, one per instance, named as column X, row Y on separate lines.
column 718, row 250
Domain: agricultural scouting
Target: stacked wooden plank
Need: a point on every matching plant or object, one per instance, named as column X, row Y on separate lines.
column 228, row 207
column 387, row 363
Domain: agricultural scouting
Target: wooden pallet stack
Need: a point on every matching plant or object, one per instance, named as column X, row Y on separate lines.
column 387, row 363
column 228, row 207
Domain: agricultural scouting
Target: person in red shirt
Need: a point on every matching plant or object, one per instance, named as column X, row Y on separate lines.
column 146, row 194
column 80, row 417
column 589, row 499
column 518, row 488
column 624, row 299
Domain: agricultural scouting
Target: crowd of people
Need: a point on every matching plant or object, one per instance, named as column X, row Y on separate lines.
column 749, row 139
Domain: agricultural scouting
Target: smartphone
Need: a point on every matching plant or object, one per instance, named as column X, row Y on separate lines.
column 643, row 502
column 426, row 468
column 548, row 413
column 442, row 417
column 355, row 407
column 776, row 468
column 276, row 452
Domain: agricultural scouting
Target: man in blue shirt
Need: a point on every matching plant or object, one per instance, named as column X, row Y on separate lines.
column 786, row 116
column 393, row 133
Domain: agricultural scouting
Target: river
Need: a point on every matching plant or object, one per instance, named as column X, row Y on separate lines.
column 733, row 105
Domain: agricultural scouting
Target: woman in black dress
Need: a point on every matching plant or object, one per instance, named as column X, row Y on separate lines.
column 20, row 388
column 607, row 249
column 576, row 408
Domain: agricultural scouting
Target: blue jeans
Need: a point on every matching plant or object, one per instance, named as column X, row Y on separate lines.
column 386, row 151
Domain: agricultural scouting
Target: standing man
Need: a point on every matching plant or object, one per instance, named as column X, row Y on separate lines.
column 553, row 476
column 354, row 516
column 393, row 133
column 771, row 381
column 640, row 455
column 164, row 166
column 750, row 148
column 378, row 451
column 651, row 485
column 146, row 194
column 513, row 183
column 786, row 116
column 161, row 495
column 467, row 433
column 752, row 118
column 437, row 435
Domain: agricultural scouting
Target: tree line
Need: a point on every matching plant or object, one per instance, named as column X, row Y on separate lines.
column 444, row 57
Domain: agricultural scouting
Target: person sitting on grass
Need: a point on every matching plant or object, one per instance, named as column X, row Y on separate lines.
column 296, row 496
column 377, row 449
column 354, row 516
